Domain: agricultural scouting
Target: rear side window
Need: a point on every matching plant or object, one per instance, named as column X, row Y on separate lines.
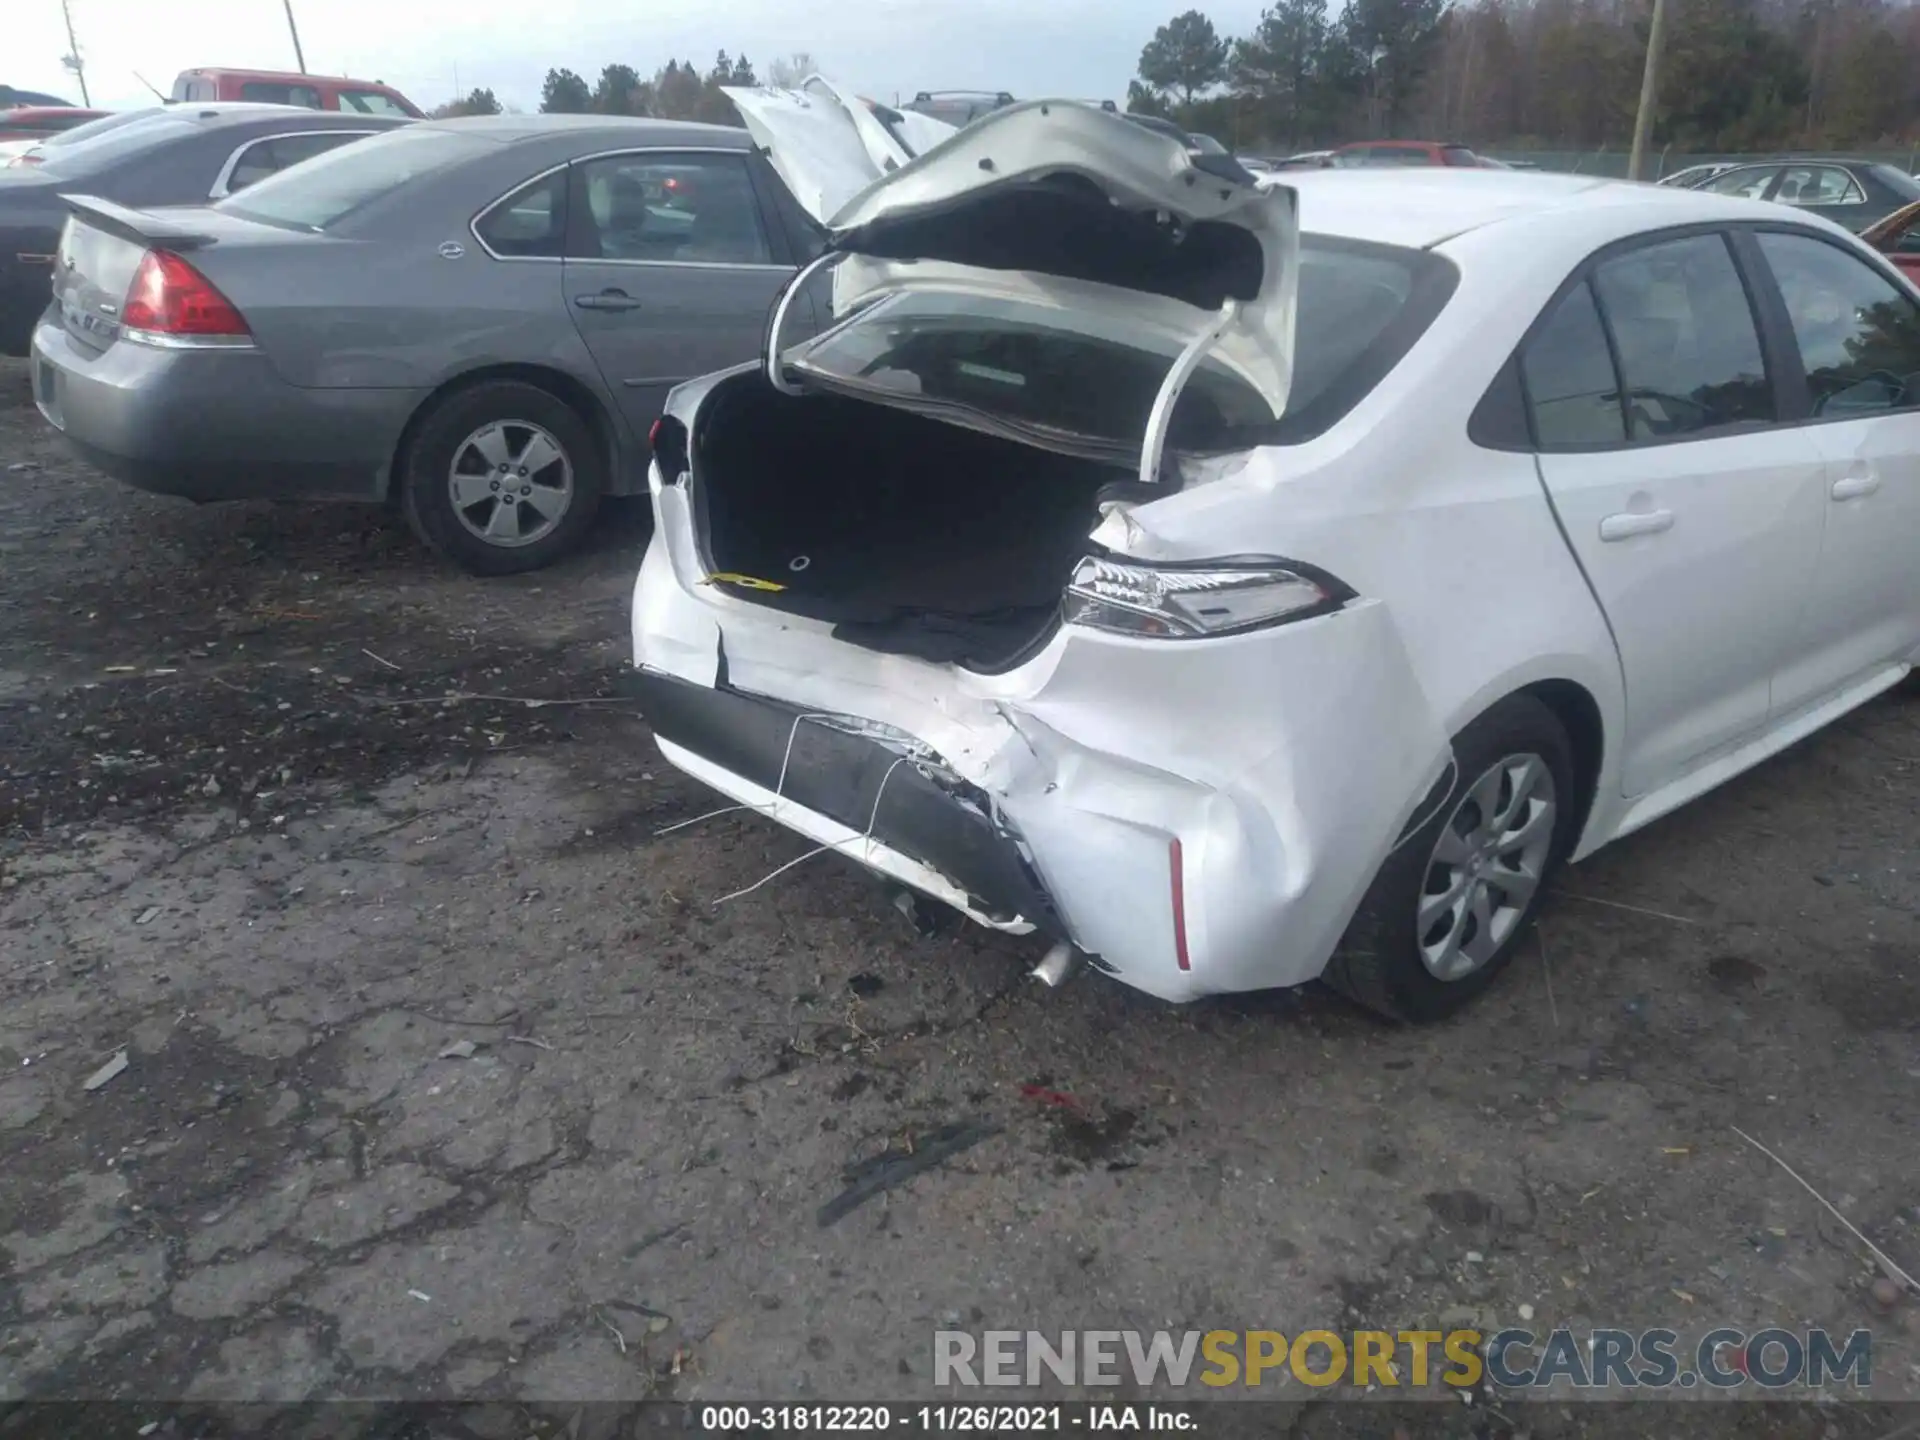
column 1659, row 344
column 1858, row 335
column 1572, row 392
column 1684, row 331
column 322, row 194
column 269, row 157
column 531, row 223
column 263, row 92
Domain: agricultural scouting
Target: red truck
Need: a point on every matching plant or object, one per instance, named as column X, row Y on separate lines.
column 281, row 87
column 1372, row 153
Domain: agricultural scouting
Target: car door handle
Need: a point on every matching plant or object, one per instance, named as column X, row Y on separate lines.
column 1635, row 522
column 607, row 300
column 1850, row 487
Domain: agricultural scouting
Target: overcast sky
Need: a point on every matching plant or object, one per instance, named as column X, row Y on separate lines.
column 433, row 49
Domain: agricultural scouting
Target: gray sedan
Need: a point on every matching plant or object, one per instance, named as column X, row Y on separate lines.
column 475, row 319
column 177, row 155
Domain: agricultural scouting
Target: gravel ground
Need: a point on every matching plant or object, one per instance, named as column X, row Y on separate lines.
column 447, row 1078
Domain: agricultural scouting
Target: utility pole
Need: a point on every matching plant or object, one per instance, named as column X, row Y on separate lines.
column 73, row 60
column 294, row 30
column 1649, row 90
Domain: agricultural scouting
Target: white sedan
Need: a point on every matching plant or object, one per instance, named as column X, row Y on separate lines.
column 1242, row 585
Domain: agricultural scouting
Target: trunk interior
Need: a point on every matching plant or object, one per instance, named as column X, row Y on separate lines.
column 914, row 536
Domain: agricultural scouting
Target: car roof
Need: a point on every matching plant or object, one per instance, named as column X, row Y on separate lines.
column 1423, row 209
column 297, row 76
column 614, row 129
column 1841, row 160
column 214, row 116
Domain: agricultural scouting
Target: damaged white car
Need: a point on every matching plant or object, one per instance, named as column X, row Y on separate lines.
column 1245, row 585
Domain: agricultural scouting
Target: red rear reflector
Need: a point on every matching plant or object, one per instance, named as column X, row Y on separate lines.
column 653, row 436
column 169, row 297
column 1177, row 868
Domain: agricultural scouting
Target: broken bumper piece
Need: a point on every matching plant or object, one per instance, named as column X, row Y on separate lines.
column 883, row 801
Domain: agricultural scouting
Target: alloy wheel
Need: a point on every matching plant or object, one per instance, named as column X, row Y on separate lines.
column 510, row 482
column 1485, row 866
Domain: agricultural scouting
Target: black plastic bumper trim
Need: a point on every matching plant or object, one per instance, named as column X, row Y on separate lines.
column 839, row 774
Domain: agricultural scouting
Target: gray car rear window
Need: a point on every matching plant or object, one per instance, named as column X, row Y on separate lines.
column 118, row 145
column 324, row 191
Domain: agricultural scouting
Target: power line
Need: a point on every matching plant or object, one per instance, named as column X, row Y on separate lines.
column 1649, row 91
column 294, row 30
column 72, row 59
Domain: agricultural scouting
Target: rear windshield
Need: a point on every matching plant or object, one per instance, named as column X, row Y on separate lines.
column 1898, row 181
column 320, row 193
column 86, row 134
column 1361, row 308
column 118, row 144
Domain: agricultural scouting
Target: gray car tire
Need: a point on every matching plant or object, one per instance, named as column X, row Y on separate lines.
column 1379, row 960
column 428, row 467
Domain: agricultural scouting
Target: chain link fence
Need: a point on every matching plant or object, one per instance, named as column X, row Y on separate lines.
column 1613, row 162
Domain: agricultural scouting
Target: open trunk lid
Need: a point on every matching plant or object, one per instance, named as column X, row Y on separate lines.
column 1055, row 201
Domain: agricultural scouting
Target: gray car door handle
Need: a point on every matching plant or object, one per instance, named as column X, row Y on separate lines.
column 1850, row 487
column 607, row 300
column 1635, row 522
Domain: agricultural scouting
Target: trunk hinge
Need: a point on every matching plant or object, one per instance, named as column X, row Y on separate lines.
column 1161, row 417
column 779, row 321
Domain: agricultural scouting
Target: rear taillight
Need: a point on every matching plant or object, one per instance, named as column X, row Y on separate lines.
column 1192, row 600
column 169, row 297
column 668, row 440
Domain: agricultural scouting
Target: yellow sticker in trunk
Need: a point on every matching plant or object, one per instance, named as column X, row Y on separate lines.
column 745, row 582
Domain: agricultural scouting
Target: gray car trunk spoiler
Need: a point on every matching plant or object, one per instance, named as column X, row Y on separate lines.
column 142, row 227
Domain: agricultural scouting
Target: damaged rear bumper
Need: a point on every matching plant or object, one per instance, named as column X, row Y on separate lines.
column 882, row 800
column 1201, row 817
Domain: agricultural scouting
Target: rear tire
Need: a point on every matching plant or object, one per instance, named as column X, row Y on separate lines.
column 1454, row 900
column 502, row 478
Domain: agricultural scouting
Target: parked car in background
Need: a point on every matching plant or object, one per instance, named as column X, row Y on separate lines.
column 11, row 98
column 1696, row 175
column 184, row 156
column 1852, row 193
column 1305, row 160
column 1370, row 154
column 475, row 319
column 25, row 124
column 958, row 107
column 1898, row 238
column 280, row 87
column 1208, row 153
column 1140, row 622
column 39, row 152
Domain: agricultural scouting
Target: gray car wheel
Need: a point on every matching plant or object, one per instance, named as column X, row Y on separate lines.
column 502, row 478
column 511, row 483
column 1452, row 901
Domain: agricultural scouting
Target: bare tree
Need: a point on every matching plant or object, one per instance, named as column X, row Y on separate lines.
column 789, row 71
